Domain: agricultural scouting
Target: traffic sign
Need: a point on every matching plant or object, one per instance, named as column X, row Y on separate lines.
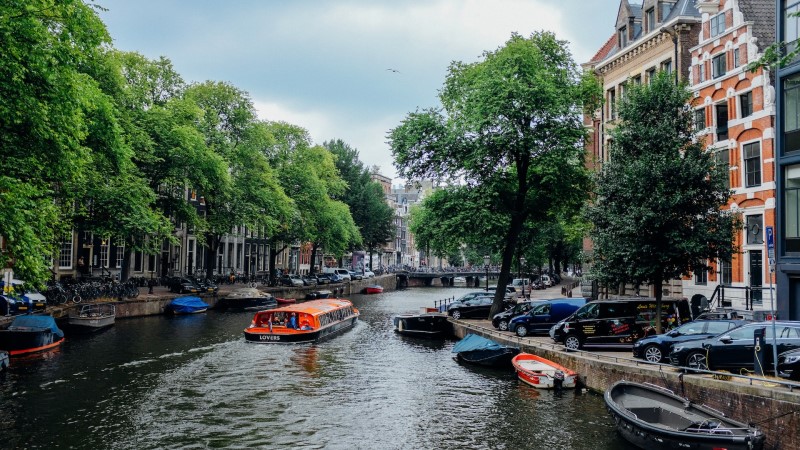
column 770, row 245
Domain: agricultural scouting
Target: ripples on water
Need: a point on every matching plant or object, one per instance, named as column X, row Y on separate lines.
column 193, row 382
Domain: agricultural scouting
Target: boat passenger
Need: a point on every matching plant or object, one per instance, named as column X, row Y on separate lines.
column 292, row 321
column 304, row 325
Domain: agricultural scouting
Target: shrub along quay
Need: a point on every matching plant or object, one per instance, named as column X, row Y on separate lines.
column 774, row 406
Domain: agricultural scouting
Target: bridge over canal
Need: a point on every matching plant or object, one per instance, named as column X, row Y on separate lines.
column 419, row 279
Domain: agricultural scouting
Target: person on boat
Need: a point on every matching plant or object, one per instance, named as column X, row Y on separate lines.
column 292, row 321
column 304, row 325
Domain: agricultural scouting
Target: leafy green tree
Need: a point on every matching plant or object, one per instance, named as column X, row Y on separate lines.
column 657, row 210
column 511, row 127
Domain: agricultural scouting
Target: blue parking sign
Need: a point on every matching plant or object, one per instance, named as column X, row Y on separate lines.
column 770, row 238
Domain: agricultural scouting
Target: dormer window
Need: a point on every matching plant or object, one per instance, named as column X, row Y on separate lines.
column 622, row 36
column 665, row 8
column 717, row 24
column 650, row 20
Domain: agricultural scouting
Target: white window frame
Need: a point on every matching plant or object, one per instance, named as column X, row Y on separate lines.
column 745, row 159
column 65, row 254
column 714, row 24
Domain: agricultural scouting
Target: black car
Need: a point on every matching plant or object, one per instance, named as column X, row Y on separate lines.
column 789, row 365
column 205, row 285
column 734, row 350
column 656, row 348
column 475, row 308
column 309, row 280
column 501, row 320
column 323, row 278
column 184, row 286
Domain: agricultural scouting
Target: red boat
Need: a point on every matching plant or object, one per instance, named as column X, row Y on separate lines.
column 373, row 289
column 541, row 373
column 285, row 301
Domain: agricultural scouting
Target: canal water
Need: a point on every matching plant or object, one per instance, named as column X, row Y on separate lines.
column 193, row 382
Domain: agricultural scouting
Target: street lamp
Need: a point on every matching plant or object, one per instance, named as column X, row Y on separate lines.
column 486, row 260
column 521, row 264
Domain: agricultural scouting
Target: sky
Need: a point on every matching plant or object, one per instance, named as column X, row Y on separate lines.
column 343, row 69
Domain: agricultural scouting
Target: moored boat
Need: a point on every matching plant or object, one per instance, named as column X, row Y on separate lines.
column 542, row 373
column 373, row 289
column 285, row 301
column 302, row 322
column 28, row 334
column 426, row 323
column 479, row 350
column 186, row 305
column 92, row 317
column 654, row 418
column 315, row 295
column 246, row 299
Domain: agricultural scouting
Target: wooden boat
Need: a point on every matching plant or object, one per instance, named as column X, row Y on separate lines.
column 302, row 322
column 4, row 360
column 285, row 301
column 542, row 373
column 186, row 305
column 373, row 289
column 654, row 418
column 247, row 299
column 28, row 334
column 92, row 317
column 475, row 349
column 314, row 295
column 428, row 323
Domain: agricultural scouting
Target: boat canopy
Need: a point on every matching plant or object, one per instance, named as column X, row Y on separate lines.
column 473, row 342
column 30, row 321
column 188, row 304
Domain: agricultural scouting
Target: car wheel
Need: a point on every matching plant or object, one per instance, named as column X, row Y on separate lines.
column 502, row 325
column 653, row 353
column 456, row 314
column 522, row 331
column 572, row 342
column 697, row 360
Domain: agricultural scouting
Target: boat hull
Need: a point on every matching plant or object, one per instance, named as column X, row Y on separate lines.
column 20, row 342
column 373, row 290
column 489, row 358
column 541, row 373
column 655, row 419
column 90, row 324
column 246, row 304
column 423, row 325
column 260, row 335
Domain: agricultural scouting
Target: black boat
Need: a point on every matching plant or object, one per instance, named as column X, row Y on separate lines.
column 654, row 418
column 29, row 333
column 427, row 324
column 316, row 295
column 247, row 299
column 475, row 349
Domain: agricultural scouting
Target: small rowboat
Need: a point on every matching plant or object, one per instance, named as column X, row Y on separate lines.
column 542, row 373
column 373, row 289
column 285, row 301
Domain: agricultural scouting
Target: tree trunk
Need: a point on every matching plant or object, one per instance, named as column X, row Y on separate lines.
column 125, row 271
column 314, row 248
column 211, row 255
column 512, row 237
column 659, row 291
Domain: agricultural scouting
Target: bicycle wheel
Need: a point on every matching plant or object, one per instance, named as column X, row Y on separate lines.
column 76, row 299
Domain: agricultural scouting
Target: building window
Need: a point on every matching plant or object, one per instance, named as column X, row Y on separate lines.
column 717, row 24
column 637, row 80
column 791, row 25
column 65, row 253
column 746, row 104
column 725, row 272
column 791, row 198
column 718, row 65
column 120, row 254
column 651, row 73
column 666, row 7
column 722, row 121
column 752, row 164
column 104, row 246
column 755, row 229
column 700, row 119
column 612, row 104
column 622, row 36
column 791, row 114
column 650, row 20
column 701, row 277
column 701, row 72
column 736, row 60
column 666, row 66
column 137, row 261
column 722, row 160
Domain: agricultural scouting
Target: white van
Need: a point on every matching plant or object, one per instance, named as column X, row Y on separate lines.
column 522, row 286
column 344, row 273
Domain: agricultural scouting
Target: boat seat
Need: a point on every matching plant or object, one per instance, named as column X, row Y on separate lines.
column 708, row 426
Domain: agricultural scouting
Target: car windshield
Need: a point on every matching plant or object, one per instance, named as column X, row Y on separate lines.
column 690, row 328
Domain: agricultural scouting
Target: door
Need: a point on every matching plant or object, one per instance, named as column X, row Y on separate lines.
column 756, row 276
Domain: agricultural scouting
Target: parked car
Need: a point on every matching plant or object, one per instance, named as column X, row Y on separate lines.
column 323, row 278
column 9, row 305
column 291, row 280
column 205, row 285
column 789, row 365
column 502, row 319
column 618, row 323
column 184, row 286
column 309, row 280
column 25, row 298
column 734, row 350
column 368, row 273
column 522, row 286
column 355, row 275
column 543, row 316
column 656, row 348
column 725, row 313
column 474, row 308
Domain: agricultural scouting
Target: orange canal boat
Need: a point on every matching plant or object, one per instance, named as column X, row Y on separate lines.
column 542, row 373
column 302, row 322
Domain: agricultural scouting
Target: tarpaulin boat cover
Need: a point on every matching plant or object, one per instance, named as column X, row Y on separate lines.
column 30, row 321
column 473, row 342
column 187, row 304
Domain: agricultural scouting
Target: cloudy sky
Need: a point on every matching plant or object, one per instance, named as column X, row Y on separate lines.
column 323, row 64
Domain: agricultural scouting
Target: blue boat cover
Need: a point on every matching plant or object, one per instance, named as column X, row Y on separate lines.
column 473, row 342
column 187, row 304
column 31, row 321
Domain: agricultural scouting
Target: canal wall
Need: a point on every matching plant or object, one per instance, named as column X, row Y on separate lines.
column 773, row 407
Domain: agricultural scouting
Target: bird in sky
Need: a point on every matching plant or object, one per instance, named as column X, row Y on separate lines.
column 393, row 70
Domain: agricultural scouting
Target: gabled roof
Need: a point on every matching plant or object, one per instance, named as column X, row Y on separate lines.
column 762, row 14
column 605, row 49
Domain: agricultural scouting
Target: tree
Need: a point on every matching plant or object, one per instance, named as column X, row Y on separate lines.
column 510, row 126
column 658, row 204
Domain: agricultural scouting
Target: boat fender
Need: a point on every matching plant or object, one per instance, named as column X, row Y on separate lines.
column 400, row 324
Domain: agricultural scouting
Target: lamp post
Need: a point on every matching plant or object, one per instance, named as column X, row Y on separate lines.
column 521, row 263
column 486, row 260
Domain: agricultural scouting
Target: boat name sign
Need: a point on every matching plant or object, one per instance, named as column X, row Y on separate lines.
column 264, row 337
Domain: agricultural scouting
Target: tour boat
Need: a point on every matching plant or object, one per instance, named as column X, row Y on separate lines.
column 654, row 418
column 92, row 317
column 427, row 323
column 542, row 373
column 475, row 349
column 302, row 322
column 186, row 305
column 247, row 299
column 373, row 289
column 28, row 334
